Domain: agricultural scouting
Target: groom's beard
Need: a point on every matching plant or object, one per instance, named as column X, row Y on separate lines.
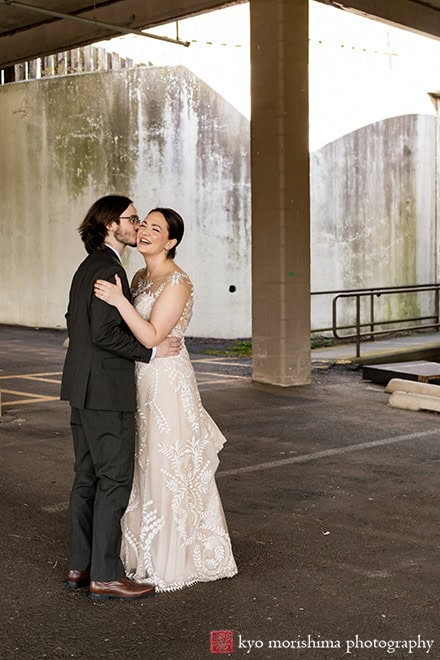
column 125, row 237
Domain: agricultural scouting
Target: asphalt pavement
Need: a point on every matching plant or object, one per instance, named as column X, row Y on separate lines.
column 332, row 502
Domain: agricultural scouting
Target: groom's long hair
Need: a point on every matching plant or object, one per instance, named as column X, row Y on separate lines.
column 103, row 212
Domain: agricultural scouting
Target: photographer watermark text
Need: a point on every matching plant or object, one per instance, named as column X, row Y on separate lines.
column 223, row 641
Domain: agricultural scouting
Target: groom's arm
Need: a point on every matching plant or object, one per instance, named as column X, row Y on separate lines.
column 109, row 331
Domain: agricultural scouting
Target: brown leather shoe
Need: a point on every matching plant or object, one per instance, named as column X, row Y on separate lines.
column 77, row 579
column 123, row 588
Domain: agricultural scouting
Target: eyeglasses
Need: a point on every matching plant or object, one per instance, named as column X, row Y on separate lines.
column 134, row 219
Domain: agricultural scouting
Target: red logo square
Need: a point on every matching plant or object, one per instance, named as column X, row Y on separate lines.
column 222, row 641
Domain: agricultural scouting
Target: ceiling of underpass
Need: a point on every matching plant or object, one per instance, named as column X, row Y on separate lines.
column 16, row 17
column 29, row 28
column 24, row 14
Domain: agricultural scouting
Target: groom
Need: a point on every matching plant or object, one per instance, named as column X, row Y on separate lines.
column 99, row 382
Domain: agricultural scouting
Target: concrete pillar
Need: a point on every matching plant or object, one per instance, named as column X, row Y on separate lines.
column 280, row 192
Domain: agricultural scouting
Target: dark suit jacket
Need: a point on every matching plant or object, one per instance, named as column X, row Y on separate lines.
column 99, row 366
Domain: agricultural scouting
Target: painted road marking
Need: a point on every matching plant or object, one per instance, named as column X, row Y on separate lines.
column 218, row 381
column 217, row 361
column 337, row 451
column 43, row 380
column 29, row 397
column 304, row 458
column 35, row 398
column 36, row 376
column 213, row 373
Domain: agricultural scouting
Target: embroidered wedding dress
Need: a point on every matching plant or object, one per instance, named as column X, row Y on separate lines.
column 174, row 528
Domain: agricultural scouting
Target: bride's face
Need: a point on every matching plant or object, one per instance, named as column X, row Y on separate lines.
column 152, row 237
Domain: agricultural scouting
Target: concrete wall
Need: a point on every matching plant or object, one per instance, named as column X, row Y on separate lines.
column 373, row 215
column 372, row 138
column 164, row 137
column 159, row 135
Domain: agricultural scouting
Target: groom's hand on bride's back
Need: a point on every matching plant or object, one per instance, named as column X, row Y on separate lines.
column 169, row 347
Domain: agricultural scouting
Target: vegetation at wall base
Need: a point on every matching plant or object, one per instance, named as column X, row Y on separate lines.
column 237, row 349
column 321, row 341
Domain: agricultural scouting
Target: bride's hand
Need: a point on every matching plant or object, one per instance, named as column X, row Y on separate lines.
column 108, row 292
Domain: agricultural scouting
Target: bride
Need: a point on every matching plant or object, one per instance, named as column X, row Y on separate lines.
column 174, row 531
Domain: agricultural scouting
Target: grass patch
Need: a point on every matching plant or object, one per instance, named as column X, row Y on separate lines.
column 320, row 341
column 238, row 349
column 244, row 348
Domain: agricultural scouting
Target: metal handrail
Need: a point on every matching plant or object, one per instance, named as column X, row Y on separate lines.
column 373, row 292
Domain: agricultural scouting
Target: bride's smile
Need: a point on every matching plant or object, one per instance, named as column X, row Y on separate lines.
column 153, row 236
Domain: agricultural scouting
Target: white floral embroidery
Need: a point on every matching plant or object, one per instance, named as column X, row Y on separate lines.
column 174, row 529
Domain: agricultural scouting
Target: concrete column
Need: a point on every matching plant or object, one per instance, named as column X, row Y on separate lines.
column 280, row 192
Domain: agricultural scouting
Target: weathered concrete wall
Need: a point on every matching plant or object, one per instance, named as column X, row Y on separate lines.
column 373, row 215
column 165, row 138
column 160, row 135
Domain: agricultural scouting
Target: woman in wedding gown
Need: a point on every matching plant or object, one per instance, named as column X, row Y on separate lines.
column 174, row 531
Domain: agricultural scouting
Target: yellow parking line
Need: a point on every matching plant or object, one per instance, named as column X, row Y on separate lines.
column 36, row 398
column 49, row 373
column 20, row 393
column 39, row 399
column 41, row 380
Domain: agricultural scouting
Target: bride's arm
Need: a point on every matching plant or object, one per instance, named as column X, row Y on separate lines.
column 165, row 314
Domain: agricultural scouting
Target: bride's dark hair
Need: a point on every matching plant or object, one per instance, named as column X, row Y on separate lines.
column 175, row 224
column 103, row 212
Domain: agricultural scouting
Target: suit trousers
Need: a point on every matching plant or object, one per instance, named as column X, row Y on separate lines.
column 104, row 445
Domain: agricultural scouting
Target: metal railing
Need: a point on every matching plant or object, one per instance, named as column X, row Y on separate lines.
column 373, row 293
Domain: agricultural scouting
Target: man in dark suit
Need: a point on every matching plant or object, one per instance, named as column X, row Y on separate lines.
column 99, row 382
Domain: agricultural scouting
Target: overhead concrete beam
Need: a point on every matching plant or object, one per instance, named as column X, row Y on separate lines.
column 416, row 16
column 64, row 34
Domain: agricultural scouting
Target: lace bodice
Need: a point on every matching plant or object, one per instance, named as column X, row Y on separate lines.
column 146, row 293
